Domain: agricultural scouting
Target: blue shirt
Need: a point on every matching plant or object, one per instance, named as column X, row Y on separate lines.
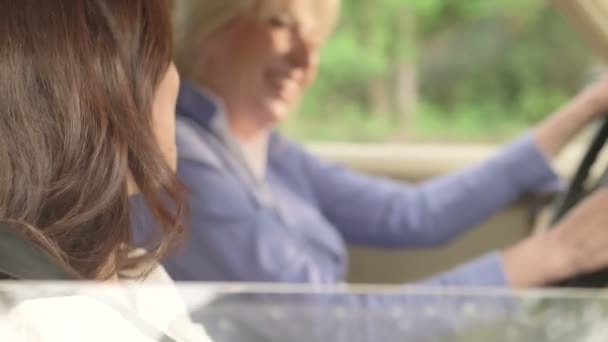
column 293, row 226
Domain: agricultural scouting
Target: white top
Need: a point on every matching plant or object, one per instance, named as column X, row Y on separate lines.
column 78, row 318
column 256, row 155
column 253, row 153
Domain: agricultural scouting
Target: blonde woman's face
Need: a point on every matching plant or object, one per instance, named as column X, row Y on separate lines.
column 262, row 67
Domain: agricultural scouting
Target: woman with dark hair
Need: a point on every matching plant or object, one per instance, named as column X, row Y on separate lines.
column 87, row 98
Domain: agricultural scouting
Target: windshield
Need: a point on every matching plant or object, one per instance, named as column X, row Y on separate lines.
column 239, row 312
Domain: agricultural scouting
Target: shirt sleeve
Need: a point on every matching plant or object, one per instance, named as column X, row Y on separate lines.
column 486, row 271
column 376, row 211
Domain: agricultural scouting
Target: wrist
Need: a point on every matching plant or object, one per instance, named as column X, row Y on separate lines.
column 536, row 261
column 591, row 105
column 557, row 257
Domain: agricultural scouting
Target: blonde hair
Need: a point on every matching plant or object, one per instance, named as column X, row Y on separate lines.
column 196, row 21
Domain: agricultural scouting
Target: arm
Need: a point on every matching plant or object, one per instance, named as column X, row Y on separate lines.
column 578, row 244
column 376, row 211
column 484, row 271
column 370, row 211
column 559, row 128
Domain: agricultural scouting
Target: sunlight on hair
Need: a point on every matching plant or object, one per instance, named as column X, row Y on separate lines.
column 319, row 16
column 196, row 21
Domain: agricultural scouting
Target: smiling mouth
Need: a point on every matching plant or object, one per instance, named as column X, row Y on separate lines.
column 283, row 87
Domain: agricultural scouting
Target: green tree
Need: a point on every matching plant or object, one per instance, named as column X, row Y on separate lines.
column 393, row 65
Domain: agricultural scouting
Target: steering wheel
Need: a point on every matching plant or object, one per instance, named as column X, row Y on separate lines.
column 577, row 190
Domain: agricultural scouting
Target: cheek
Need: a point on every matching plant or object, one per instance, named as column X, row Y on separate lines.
column 164, row 115
column 234, row 68
column 251, row 54
column 311, row 72
column 165, row 133
column 309, row 77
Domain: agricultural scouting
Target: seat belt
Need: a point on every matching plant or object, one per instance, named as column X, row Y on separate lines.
column 21, row 259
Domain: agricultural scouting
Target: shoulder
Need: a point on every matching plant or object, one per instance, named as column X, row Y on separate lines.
column 203, row 167
column 285, row 151
column 291, row 156
column 159, row 302
column 69, row 318
column 196, row 143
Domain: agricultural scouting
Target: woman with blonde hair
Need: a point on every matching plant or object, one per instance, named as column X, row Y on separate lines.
column 273, row 212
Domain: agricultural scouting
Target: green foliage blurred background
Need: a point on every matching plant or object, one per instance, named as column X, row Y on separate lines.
column 445, row 70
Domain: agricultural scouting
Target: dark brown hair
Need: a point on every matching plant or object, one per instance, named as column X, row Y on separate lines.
column 77, row 81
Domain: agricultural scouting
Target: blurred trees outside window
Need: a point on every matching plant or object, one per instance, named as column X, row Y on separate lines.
column 442, row 70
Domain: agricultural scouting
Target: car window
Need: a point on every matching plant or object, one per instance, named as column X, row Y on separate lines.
column 443, row 71
column 239, row 312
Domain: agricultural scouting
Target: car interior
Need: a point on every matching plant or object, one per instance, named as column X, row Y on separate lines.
column 21, row 260
column 582, row 166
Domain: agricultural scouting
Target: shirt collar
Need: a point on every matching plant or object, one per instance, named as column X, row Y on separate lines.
column 206, row 109
column 198, row 104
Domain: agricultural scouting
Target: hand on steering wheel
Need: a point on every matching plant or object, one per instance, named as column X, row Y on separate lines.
column 567, row 254
column 578, row 243
column 595, row 208
column 549, row 258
